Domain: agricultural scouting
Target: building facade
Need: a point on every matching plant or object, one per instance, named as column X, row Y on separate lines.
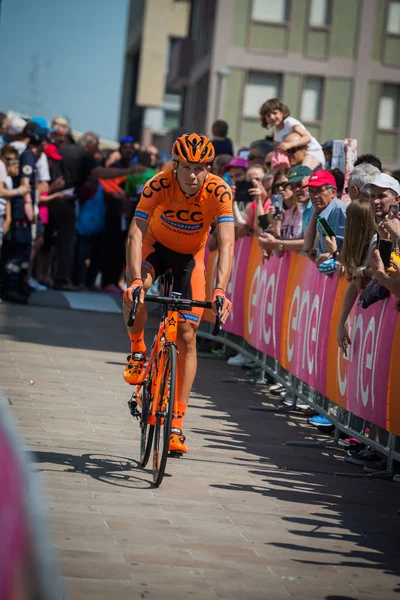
column 336, row 63
column 147, row 107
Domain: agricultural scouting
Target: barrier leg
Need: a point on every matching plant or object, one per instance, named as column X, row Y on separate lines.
column 384, row 474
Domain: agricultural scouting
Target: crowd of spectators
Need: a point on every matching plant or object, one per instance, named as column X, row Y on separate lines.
column 65, row 206
column 343, row 218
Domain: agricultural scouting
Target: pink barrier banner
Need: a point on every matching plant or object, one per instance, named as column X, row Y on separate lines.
column 263, row 311
column 308, row 304
column 288, row 310
column 371, row 332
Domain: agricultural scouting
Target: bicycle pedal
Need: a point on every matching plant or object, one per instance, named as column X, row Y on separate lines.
column 133, row 408
column 175, row 454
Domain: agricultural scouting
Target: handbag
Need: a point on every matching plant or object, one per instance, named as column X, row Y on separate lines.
column 373, row 293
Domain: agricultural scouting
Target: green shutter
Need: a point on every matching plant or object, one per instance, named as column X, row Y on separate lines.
column 346, row 14
column 386, row 146
column 292, row 92
column 370, row 123
column 317, row 43
column 233, row 101
column 298, row 26
column 251, row 130
column 239, row 24
column 268, row 37
column 337, row 109
column 392, row 51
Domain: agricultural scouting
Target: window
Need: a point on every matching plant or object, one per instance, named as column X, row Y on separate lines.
column 311, row 100
column 388, row 113
column 319, row 13
column 260, row 87
column 270, row 11
column 393, row 22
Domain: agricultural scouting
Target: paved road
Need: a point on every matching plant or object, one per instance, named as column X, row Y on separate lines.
column 243, row 516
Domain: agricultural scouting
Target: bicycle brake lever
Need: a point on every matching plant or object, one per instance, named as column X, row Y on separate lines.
column 218, row 325
column 132, row 314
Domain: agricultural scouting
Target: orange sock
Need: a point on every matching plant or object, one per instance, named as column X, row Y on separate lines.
column 177, row 420
column 137, row 342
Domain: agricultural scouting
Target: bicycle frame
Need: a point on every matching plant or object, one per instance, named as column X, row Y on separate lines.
column 167, row 334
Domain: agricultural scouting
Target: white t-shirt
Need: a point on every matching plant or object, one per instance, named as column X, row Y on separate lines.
column 314, row 147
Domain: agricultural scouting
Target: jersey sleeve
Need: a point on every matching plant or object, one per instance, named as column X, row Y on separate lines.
column 224, row 201
column 152, row 194
column 27, row 165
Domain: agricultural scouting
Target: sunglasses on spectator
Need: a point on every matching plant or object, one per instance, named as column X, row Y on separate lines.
column 280, row 185
column 11, row 161
column 294, row 150
column 126, row 140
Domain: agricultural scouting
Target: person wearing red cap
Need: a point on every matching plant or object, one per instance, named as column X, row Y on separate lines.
column 322, row 190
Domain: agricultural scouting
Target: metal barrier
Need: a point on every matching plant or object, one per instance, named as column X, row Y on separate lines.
column 322, row 405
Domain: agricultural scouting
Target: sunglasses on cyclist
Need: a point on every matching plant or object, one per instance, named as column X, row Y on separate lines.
column 126, row 140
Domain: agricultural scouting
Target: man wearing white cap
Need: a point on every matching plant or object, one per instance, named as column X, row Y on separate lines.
column 383, row 191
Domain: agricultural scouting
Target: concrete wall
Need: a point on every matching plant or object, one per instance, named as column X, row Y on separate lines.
column 162, row 19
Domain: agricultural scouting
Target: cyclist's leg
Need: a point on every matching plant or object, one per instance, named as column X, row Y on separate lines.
column 136, row 360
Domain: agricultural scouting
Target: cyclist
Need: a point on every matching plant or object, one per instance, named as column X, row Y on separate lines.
column 169, row 231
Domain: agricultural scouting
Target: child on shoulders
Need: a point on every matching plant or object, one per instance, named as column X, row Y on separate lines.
column 274, row 113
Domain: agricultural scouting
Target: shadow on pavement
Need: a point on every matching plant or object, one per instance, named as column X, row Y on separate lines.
column 363, row 512
column 116, row 470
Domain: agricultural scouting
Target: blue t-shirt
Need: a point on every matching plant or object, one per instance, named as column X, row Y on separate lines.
column 335, row 214
column 307, row 212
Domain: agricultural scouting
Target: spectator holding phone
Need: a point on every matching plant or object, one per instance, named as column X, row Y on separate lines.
column 248, row 222
column 286, row 232
column 359, row 244
column 322, row 190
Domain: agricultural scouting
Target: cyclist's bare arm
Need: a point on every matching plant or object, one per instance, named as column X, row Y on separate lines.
column 134, row 243
column 226, row 244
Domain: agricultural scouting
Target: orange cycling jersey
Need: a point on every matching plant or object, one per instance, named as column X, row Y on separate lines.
column 181, row 223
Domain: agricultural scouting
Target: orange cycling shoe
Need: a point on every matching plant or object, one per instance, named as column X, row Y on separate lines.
column 177, row 441
column 133, row 372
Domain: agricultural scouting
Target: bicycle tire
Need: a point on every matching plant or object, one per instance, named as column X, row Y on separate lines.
column 164, row 420
column 146, row 430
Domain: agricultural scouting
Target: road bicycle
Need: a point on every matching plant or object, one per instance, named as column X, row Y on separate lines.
column 154, row 401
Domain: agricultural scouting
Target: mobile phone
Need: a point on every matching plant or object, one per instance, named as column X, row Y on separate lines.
column 343, row 347
column 242, row 192
column 263, row 222
column 385, row 248
column 394, row 210
column 277, row 202
column 326, row 227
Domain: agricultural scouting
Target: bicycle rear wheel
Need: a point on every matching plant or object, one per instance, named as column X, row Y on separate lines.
column 164, row 415
column 146, row 430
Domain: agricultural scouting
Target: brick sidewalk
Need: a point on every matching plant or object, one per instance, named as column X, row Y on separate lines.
column 243, row 516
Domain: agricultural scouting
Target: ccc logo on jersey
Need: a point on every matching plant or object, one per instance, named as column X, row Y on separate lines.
column 156, row 185
column 186, row 220
column 220, row 191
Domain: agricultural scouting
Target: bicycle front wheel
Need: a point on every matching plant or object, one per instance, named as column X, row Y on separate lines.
column 146, row 430
column 164, row 415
